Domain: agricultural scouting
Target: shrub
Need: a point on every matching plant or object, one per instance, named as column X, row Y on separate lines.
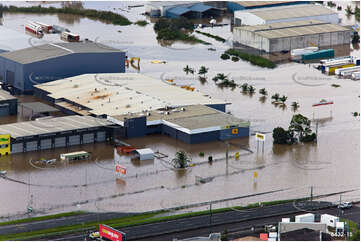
column 253, row 59
column 201, row 154
column 141, row 23
column 281, row 136
column 225, row 56
column 235, row 59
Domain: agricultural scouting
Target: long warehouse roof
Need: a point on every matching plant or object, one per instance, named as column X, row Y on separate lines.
column 49, row 51
column 279, row 25
column 247, row 4
column 122, row 93
column 295, row 29
column 52, row 125
column 295, row 11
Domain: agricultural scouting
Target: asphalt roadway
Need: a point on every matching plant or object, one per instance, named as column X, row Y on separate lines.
column 230, row 220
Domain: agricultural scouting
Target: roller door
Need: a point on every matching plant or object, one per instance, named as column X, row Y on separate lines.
column 74, row 140
column 100, row 136
column 45, row 144
column 4, row 110
column 31, row 145
column 60, row 142
column 17, row 148
column 88, row 138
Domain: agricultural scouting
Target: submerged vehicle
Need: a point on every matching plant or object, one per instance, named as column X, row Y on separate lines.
column 34, row 28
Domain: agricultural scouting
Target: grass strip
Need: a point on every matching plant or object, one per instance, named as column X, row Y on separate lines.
column 141, row 23
column 253, row 59
column 353, row 228
column 132, row 220
column 211, row 36
column 41, row 218
column 108, row 16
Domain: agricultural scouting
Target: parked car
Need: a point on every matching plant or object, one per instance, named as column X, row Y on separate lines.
column 345, row 205
column 95, row 236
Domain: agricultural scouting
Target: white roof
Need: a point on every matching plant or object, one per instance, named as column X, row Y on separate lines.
column 123, row 93
column 145, row 151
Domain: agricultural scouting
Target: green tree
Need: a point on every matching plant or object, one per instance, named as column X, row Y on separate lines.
column 244, row 87
column 225, row 56
column 348, row 10
column 281, row 136
column 295, row 105
column 251, row 89
column 276, row 97
column 203, row 71
column 283, row 99
column 263, row 92
column 187, row 69
column 300, row 127
column 181, row 160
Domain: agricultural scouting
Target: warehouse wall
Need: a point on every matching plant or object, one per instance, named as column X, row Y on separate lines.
column 135, row 127
column 219, row 107
column 72, row 65
column 8, row 107
column 9, row 68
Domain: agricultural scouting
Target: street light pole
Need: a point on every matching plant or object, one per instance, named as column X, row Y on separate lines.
column 210, row 217
column 227, row 151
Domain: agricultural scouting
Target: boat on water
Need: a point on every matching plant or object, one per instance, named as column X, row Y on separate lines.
column 34, row 29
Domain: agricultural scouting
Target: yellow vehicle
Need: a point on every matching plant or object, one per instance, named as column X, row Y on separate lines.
column 5, row 144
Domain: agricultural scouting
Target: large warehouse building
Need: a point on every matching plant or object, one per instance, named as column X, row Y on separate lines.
column 21, row 69
column 233, row 6
column 8, row 104
column 187, row 9
column 291, row 35
column 140, row 105
column 285, row 14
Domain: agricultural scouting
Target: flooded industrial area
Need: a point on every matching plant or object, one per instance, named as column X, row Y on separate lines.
column 330, row 165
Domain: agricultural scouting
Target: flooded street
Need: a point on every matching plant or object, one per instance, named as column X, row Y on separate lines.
column 330, row 165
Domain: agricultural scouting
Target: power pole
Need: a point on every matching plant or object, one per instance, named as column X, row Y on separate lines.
column 227, row 151
column 210, row 217
column 311, row 196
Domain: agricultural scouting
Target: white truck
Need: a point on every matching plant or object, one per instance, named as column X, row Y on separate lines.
column 305, row 218
column 329, row 220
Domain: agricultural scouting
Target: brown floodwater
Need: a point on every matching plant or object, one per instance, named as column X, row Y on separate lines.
column 330, row 165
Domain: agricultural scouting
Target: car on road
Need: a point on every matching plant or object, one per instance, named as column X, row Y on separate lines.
column 345, row 205
column 95, row 236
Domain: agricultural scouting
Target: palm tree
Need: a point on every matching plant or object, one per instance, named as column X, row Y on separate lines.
column 295, row 105
column 263, row 91
column 244, row 87
column 276, row 97
column 219, row 76
column 251, row 89
column 181, row 160
column 283, row 99
column 348, row 10
column 187, row 69
column 203, row 71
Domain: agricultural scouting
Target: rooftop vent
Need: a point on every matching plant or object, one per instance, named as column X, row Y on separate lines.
column 148, row 113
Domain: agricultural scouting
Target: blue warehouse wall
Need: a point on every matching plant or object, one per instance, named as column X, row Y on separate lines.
column 7, row 65
column 204, row 137
column 135, row 127
column 230, row 134
column 72, row 65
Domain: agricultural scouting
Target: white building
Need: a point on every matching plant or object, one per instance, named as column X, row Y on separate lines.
column 285, row 14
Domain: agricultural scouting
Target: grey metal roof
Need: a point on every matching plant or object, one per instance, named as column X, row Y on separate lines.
column 291, row 29
column 248, row 4
column 296, row 11
column 4, row 95
column 179, row 10
column 53, row 125
column 159, row 4
column 49, row 51
column 38, row 107
column 200, row 7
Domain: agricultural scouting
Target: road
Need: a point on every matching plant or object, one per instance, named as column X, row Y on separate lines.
column 200, row 225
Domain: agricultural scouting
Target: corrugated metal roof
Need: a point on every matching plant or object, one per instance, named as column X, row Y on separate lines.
column 247, row 4
column 289, row 29
column 178, row 10
column 46, row 126
column 296, row 11
column 159, row 4
column 49, row 51
column 38, row 107
column 122, row 93
column 200, row 7
column 4, row 95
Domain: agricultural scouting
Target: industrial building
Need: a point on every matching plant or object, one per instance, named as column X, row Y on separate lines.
column 11, row 40
column 140, row 105
column 188, row 9
column 54, row 132
column 8, row 104
column 21, row 69
column 307, row 12
column 286, row 36
column 233, row 6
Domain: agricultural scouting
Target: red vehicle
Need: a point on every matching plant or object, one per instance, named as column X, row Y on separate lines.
column 70, row 37
column 45, row 27
column 34, row 28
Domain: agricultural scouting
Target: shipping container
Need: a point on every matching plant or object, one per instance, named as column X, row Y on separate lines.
column 329, row 53
column 79, row 155
column 305, row 218
column 343, row 58
column 296, row 52
column 340, row 71
column 331, row 69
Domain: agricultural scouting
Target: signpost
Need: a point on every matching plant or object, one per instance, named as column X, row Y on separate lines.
column 260, row 138
column 110, row 233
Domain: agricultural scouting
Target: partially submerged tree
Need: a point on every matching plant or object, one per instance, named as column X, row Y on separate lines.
column 244, row 87
column 181, row 160
column 263, row 91
column 276, row 97
column 203, row 71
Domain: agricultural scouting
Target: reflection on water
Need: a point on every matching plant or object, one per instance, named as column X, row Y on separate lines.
column 332, row 164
